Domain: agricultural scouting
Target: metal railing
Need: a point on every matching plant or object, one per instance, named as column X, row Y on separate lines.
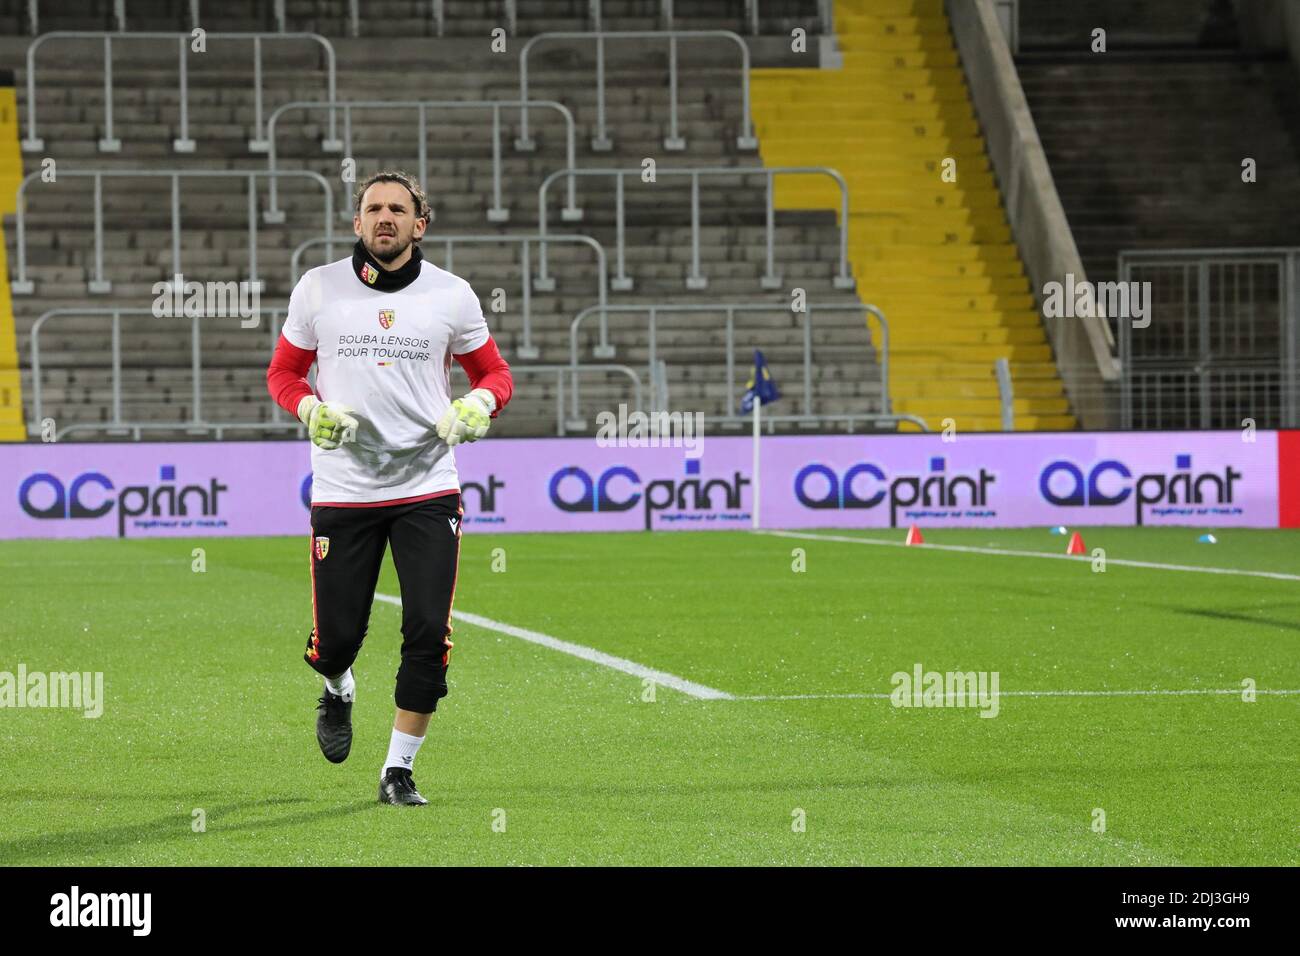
column 438, row 11
column 99, row 284
column 526, row 349
column 621, row 282
column 183, row 143
column 495, row 213
column 34, row 14
column 119, row 14
column 196, row 423
column 280, row 421
column 729, row 310
column 826, row 16
column 770, row 421
column 659, row 387
column 674, row 141
column 1009, row 19
column 595, row 15
column 1006, row 394
column 560, row 371
column 438, row 15
column 751, row 15
column 1221, row 340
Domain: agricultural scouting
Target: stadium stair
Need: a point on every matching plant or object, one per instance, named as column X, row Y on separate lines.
column 936, row 256
column 76, row 380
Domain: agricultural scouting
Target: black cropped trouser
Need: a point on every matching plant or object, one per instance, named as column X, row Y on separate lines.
column 348, row 545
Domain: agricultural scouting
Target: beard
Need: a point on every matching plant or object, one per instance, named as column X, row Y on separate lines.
column 392, row 252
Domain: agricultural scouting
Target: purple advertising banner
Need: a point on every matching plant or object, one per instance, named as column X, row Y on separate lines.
column 1214, row 479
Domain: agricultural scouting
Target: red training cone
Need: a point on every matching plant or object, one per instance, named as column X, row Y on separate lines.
column 1076, row 545
column 914, row 536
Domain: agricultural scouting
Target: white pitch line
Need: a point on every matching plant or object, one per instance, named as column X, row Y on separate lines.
column 1274, row 575
column 1025, row 693
column 703, row 692
column 662, row 678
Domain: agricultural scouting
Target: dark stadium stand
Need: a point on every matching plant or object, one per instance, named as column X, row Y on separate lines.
column 1146, row 143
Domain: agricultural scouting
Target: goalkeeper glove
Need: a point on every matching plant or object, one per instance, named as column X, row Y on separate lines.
column 329, row 424
column 468, row 417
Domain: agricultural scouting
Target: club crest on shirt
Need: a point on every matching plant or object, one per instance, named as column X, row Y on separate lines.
column 387, row 317
column 322, row 548
column 369, row 273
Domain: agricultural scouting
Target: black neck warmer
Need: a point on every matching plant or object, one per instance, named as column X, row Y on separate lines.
column 372, row 274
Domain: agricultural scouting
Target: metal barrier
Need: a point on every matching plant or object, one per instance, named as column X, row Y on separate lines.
column 119, row 14
column 1009, row 19
column 659, row 386
column 770, row 421
column 495, row 213
column 751, row 15
column 1222, row 343
column 279, row 418
column 526, row 349
column 439, row 13
column 574, row 370
column 99, row 285
column 601, row 142
column 730, row 309
column 622, row 282
column 1006, row 396
column 826, row 17
column 183, row 143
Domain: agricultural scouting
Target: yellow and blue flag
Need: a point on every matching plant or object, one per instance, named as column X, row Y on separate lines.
column 760, row 386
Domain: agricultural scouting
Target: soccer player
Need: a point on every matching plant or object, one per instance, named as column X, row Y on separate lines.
column 382, row 327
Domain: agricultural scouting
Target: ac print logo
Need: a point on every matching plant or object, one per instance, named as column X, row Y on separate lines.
column 369, row 273
column 387, row 317
column 322, row 548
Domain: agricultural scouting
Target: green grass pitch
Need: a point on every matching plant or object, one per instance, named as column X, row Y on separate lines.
column 208, row 706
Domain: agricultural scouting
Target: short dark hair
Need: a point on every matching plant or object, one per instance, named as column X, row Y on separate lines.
column 411, row 185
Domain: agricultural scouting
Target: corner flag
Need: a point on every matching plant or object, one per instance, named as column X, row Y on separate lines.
column 760, row 386
column 759, row 391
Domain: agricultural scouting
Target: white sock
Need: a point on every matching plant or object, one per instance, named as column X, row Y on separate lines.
column 342, row 686
column 402, row 749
